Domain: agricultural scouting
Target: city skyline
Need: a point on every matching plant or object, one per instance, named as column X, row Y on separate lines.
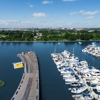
column 49, row 13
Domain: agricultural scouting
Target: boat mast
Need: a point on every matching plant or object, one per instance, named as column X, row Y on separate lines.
column 73, row 50
column 55, row 48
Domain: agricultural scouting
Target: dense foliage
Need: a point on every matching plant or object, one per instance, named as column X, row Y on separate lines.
column 1, row 83
column 16, row 35
column 49, row 35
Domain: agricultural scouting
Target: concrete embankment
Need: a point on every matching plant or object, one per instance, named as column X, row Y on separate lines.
column 28, row 88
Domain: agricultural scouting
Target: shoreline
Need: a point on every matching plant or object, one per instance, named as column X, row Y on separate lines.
column 55, row 41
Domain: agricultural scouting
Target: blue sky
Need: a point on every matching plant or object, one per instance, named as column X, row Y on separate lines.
column 49, row 13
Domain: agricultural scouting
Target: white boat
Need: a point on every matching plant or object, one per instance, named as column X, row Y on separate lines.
column 80, row 42
column 95, row 73
column 89, row 76
column 61, row 68
column 84, row 50
column 97, row 88
column 68, row 76
column 58, row 42
column 78, row 90
column 93, row 50
column 84, row 70
column 75, row 84
column 72, row 59
column 83, row 97
column 62, row 65
column 72, row 80
column 96, row 81
column 93, row 43
column 67, row 70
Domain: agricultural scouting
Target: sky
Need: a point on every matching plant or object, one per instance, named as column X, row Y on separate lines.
column 49, row 13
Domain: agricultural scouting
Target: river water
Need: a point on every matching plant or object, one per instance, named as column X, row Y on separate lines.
column 52, row 84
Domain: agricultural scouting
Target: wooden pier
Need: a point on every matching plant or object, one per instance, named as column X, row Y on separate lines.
column 28, row 88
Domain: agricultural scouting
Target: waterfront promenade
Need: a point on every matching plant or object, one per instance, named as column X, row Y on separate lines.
column 28, row 88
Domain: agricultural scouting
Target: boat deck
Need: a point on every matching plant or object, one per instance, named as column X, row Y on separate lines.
column 28, row 88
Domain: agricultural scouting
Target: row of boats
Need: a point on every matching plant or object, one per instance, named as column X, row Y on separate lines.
column 83, row 79
column 93, row 50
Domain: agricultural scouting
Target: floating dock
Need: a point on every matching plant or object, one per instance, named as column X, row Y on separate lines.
column 18, row 65
column 28, row 88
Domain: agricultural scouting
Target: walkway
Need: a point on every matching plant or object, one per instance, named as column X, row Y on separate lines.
column 28, row 88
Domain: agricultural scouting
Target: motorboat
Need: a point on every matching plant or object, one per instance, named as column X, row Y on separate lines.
column 68, row 76
column 73, row 79
column 67, row 70
column 78, row 90
column 86, row 95
column 97, row 88
column 96, row 81
column 76, row 84
column 80, row 42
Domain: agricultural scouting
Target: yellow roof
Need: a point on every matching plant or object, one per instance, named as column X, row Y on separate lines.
column 18, row 65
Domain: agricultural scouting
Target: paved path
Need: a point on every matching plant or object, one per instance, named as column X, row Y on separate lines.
column 28, row 88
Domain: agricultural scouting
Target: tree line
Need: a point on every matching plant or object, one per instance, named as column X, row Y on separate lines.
column 69, row 35
column 16, row 35
column 49, row 35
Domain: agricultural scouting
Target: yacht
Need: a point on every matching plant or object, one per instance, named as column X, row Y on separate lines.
column 72, row 80
column 68, row 76
column 96, row 81
column 97, row 88
column 78, row 90
column 67, row 70
column 83, row 96
column 76, row 84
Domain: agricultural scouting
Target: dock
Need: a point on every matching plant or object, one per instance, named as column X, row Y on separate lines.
column 28, row 88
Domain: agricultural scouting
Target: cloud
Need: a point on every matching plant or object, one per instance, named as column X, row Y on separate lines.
column 27, row 22
column 88, row 12
column 16, row 23
column 81, row 11
column 7, row 22
column 50, row 23
column 47, row 2
column 68, row 0
column 31, row 6
column 73, row 13
column 10, row 22
column 90, row 17
column 39, row 14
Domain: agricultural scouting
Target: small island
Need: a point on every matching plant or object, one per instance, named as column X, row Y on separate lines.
column 1, row 83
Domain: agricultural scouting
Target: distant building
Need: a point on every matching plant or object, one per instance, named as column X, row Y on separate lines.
column 91, row 31
column 35, row 37
column 79, row 29
column 39, row 34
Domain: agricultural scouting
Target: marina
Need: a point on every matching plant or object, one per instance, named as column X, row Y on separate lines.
column 93, row 50
column 75, row 71
column 53, row 86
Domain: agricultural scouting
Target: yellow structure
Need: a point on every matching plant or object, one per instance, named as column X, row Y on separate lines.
column 18, row 65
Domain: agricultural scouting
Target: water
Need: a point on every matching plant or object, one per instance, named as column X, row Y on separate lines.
column 52, row 84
